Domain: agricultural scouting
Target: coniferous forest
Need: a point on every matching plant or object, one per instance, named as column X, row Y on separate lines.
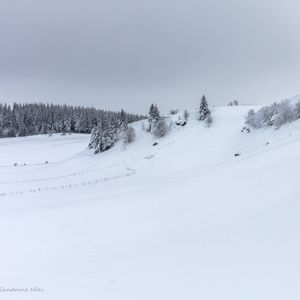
column 39, row 118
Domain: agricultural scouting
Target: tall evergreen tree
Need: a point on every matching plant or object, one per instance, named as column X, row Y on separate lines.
column 154, row 117
column 204, row 111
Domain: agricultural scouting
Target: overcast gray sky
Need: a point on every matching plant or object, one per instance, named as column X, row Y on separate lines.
column 129, row 53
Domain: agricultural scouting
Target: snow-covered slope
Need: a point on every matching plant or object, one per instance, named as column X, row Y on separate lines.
column 185, row 219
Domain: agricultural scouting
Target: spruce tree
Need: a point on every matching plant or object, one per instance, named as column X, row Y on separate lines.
column 154, row 117
column 203, row 109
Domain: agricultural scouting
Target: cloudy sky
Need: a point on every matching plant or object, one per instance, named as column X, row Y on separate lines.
column 129, row 53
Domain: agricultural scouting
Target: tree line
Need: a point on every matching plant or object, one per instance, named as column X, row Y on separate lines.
column 106, row 127
column 40, row 118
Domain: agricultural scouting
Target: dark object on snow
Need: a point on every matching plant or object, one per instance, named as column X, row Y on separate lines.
column 15, row 164
column 46, row 162
column 155, row 144
column 245, row 129
column 182, row 123
column 24, row 164
column 267, row 143
column 237, row 154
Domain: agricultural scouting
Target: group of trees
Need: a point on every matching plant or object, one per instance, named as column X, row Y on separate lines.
column 233, row 103
column 109, row 130
column 274, row 115
column 106, row 127
column 39, row 118
column 156, row 124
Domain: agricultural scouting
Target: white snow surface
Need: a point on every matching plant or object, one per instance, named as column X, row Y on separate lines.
column 185, row 219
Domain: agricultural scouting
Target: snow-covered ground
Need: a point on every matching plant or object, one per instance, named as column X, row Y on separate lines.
column 185, row 219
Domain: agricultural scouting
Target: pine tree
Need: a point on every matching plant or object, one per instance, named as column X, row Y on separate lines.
column 123, row 121
column 203, row 109
column 154, row 117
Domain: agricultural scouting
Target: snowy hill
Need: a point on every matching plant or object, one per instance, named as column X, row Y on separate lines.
column 185, row 219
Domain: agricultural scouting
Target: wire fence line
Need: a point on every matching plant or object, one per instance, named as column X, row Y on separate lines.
column 81, row 172
column 129, row 172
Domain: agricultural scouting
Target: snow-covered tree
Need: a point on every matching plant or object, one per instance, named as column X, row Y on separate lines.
column 103, row 136
column 203, row 109
column 154, row 117
column 123, row 121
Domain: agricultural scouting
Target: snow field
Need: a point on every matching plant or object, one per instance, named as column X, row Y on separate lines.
column 190, row 222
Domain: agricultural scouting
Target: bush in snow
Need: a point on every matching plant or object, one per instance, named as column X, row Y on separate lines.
column 233, row 103
column 297, row 111
column 251, row 118
column 145, row 127
column 208, row 121
column 274, row 115
column 161, row 128
column 129, row 135
column 186, row 115
column 173, row 111
column 284, row 114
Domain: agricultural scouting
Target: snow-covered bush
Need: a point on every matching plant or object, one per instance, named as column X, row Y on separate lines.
column 161, row 128
column 274, row 115
column 297, row 111
column 186, row 115
column 284, row 114
column 208, row 120
column 173, row 111
column 251, row 119
column 233, row 103
column 129, row 135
